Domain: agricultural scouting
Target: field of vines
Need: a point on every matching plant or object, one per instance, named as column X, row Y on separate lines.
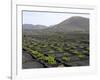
column 56, row 50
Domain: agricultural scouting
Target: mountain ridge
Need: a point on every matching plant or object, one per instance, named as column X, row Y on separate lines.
column 72, row 24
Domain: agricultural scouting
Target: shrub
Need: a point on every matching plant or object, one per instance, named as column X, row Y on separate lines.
column 81, row 56
column 51, row 60
column 65, row 58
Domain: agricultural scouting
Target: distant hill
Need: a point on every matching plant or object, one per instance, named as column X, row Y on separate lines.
column 32, row 27
column 73, row 24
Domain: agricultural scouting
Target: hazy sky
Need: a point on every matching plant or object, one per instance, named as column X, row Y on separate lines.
column 46, row 18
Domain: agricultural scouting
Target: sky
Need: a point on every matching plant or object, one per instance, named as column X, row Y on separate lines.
column 47, row 18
